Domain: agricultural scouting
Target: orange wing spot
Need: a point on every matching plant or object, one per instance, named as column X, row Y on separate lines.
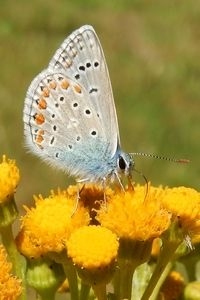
column 64, row 84
column 42, row 104
column 45, row 92
column 39, row 137
column 77, row 88
column 53, row 85
column 39, row 118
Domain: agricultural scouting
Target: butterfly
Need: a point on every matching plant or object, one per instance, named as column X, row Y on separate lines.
column 70, row 119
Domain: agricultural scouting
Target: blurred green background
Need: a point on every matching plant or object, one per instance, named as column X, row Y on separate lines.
column 152, row 50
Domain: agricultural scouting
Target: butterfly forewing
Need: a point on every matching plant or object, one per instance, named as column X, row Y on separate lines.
column 82, row 58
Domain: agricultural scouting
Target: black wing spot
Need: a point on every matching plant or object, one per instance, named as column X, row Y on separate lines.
column 52, row 140
column 62, row 98
column 54, row 127
column 88, row 64
column 93, row 90
column 82, row 68
column 93, row 133
column 75, row 104
column 88, row 112
column 96, row 64
column 77, row 76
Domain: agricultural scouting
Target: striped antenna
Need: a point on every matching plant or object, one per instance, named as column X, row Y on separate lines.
column 179, row 160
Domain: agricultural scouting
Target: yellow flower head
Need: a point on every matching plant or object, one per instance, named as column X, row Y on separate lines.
column 10, row 286
column 27, row 246
column 92, row 247
column 184, row 203
column 9, row 178
column 50, row 223
column 133, row 216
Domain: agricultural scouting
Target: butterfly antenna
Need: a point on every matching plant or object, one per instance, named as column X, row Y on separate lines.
column 179, row 160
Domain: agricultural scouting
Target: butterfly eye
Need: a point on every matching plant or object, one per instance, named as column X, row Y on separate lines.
column 121, row 163
column 125, row 163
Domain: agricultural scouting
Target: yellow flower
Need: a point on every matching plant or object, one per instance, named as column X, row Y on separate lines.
column 27, row 246
column 173, row 286
column 184, row 203
column 10, row 286
column 132, row 215
column 92, row 247
column 9, row 178
column 46, row 227
column 93, row 250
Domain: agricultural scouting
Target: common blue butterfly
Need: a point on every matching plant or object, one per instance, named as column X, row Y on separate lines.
column 70, row 119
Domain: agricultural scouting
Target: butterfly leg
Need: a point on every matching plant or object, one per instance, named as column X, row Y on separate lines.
column 79, row 190
column 119, row 181
column 104, row 192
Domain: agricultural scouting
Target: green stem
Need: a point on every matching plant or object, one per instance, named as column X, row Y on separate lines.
column 127, row 269
column 100, row 291
column 160, row 281
column 161, row 270
column 18, row 262
column 72, row 279
column 116, row 283
column 131, row 254
column 85, row 291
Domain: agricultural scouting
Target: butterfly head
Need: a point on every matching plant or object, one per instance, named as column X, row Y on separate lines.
column 125, row 163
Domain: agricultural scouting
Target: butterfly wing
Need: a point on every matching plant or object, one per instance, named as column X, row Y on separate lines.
column 69, row 114
column 82, row 58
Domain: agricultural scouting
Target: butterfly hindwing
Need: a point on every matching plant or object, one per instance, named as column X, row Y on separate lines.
column 59, row 125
